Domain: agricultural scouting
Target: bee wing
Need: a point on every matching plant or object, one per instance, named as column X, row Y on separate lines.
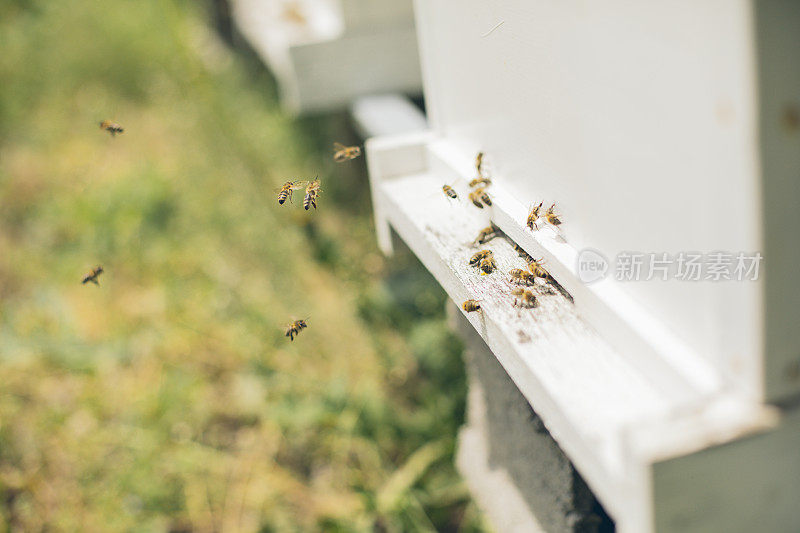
column 339, row 146
column 299, row 184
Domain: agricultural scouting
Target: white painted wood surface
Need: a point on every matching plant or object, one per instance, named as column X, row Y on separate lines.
column 612, row 416
column 326, row 53
column 639, row 120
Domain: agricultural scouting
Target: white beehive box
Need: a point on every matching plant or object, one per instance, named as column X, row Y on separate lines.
column 326, row 53
column 656, row 127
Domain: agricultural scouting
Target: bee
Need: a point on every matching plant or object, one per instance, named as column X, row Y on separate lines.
column 312, row 191
column 450, row 192
column 487, row 265
column 295, row 328
column 479, row 163
column 551, row 216
column 521, row 276
column 287, row 189
column 476, row 259
column 111, row 127
column 480, row 181
column 471, row 305
column 93, row 275
column 479, row 195
column 522, row 253
column 486, row 234
column 533, row 216
column 524, row 298
column 345, row 153
column 535, row 267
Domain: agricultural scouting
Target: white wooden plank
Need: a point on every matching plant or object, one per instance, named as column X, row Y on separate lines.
column 611, row 415
column 640, row 121
column 320, row 61
column 585, row 392
column 387, row 114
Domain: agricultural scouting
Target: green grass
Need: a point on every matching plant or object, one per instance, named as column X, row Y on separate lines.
column 168, row 399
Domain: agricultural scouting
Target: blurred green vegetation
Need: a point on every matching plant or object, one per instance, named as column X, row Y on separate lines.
column 168, row 399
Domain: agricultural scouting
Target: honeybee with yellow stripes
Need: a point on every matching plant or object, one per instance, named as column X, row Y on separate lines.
column 111, row 127
column 533, row 216
column 295, row 327
column 522, row 277
column 345, row 153
column 487, row 265
column 480, row 181
column 551, row 216
column 313, row 190
column 524, row 298
column 471, row 306
column 450, row 192
column 285, row 191
column 479, row 195
column 486, row 234
column 537, row 270
column 477, row 257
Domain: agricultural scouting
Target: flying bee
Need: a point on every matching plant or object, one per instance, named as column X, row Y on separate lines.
column 345, row 153
column 479, row 163
column 287, row 189
column 450, row 192
column 537, row 270
column 480, row 181
column 487, row 265
column 476, row 259
column 93, row 275
column 111, row 127
column 486, row 234
column 522, row 277
column 551, row 216
column 524, row 298
column 295, row 328
column 533, row 216
column 479, row 195
column 471, row 305
column 312, row 191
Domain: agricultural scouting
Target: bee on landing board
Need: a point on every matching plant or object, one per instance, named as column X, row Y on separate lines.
column 523, row 277
column 522, row 253
column 93, row 275
column 312, row 192
column 533, row 216
column 537, row 270
column 111, row 127
column 287, row 189
column 345, row 153
column 551, row 216
column 479, row 195
column 471, row 306
column 450, row 192
column 477, row 257
column 486, row 234
column 294, row 328
column 487, row 265
column 524, row 298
